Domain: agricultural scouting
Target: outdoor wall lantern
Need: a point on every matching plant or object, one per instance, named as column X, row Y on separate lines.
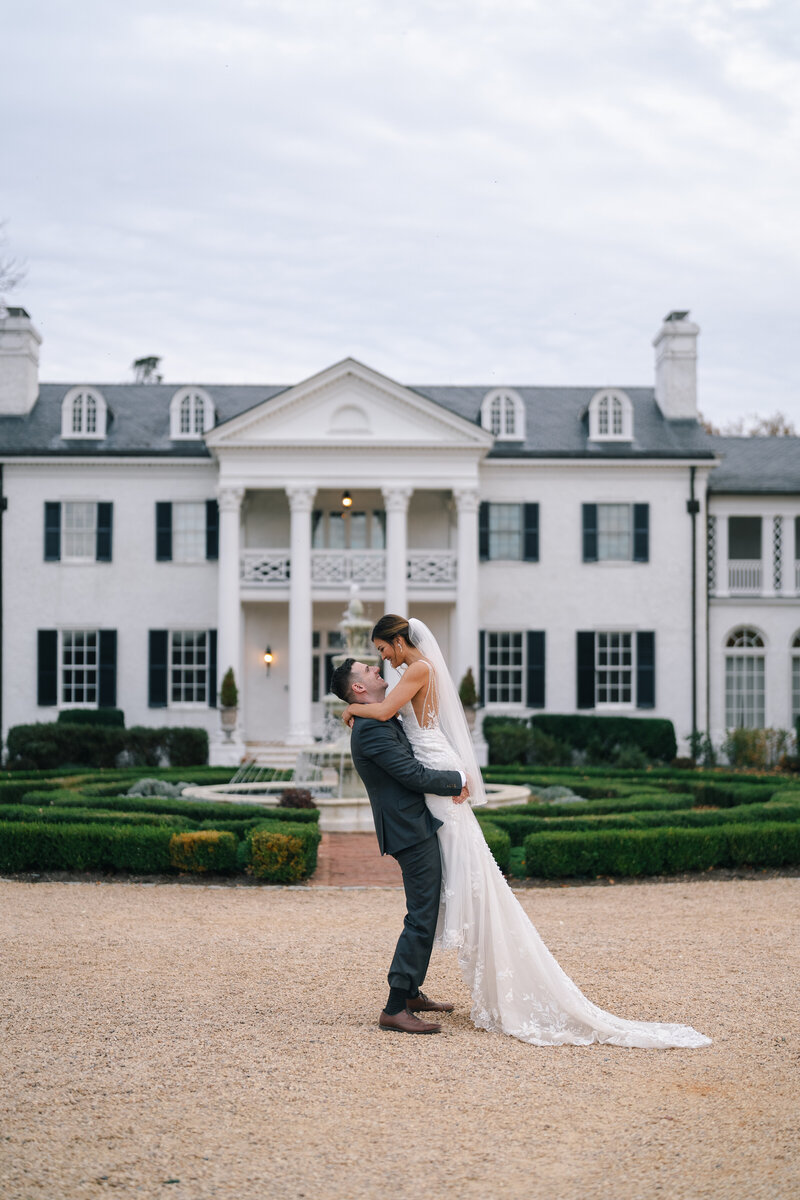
column 347, row 500
column 269, row 658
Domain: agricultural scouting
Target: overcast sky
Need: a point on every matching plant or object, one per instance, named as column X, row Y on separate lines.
column 452, row 191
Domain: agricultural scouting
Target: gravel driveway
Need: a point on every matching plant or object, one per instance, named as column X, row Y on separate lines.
column 202, row 1041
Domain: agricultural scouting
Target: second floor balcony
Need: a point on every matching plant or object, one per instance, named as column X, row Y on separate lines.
column 435, row 569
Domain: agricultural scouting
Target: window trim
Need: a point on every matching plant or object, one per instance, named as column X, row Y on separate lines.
column 605, row 706
column 61, row 703
column 487, row 669
column 188, row 705
column 192, row 394
column 68, row 433
column 510, row 401
column 603, row 402
column 756, row 651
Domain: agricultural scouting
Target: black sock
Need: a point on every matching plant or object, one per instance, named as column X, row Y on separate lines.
column 396, row 1002
column 414, row 992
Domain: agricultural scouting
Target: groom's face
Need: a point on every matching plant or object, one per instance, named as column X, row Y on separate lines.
column 366, row 683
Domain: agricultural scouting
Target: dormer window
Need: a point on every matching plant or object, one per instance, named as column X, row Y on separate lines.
column 83, row 414
column 610, row 417
column 503, row 414
column 191, row 413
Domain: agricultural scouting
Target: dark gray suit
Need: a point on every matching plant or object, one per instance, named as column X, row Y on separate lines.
column 395, row 781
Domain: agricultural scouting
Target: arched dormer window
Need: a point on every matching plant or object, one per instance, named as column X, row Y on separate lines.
column 610, row 416
column 191, row 413
column 503, row 414
column 83, row 414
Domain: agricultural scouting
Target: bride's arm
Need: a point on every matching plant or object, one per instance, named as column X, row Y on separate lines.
column 411, row 681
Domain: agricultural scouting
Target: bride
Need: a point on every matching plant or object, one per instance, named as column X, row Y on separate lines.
column 517, row 986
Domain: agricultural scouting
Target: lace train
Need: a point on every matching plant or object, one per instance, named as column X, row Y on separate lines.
column 517, row 986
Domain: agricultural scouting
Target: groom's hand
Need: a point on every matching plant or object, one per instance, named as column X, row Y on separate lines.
column 462, row 796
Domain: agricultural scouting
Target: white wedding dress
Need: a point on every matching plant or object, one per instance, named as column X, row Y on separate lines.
column 516, row 984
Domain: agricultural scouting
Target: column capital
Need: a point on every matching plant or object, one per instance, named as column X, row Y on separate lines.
column 466, row 498
column 230, row 498
column 396, row 499
column 301, row 497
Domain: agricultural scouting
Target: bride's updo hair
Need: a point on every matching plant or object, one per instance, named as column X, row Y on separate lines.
column 391, row 626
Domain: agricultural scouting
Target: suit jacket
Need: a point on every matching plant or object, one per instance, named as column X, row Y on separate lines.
column 395, row 781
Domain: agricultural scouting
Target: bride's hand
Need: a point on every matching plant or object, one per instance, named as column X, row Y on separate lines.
column 348, row 716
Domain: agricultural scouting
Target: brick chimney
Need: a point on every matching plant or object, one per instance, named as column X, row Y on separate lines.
column 19, row 362
column 676, row 367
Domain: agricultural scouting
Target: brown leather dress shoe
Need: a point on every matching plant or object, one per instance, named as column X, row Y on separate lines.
column 406, row 1022
column 421, row 1003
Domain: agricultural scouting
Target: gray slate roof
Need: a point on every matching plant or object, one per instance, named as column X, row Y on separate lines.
column 556, row 426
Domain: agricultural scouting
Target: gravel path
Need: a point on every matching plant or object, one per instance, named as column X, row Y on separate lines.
column 222, row 1042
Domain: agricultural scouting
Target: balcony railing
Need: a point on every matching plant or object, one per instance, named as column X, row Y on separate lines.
column 744, row 576
column 335, row 568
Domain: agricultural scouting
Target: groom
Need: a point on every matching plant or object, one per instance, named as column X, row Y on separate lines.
column 395, row 781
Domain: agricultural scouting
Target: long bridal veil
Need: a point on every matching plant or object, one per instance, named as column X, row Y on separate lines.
column 451, row 714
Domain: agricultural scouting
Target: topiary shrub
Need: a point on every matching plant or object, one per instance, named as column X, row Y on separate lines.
column 285, row 853
column 203, row 850
column 55, row 744
column 92, row 716
column 296, row 798
column 228, row 692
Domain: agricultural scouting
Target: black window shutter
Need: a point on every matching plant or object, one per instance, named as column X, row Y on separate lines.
column 158, row 649
column 212, row 529
column 531, row 532
column 212, row 668
column 590, row 533
column 483, row 531
column 482, row 666
column 52, row 532
column 47, row 668
column 163, row 531
column 641, row 532
column 107, row 691
column 645, row 670
column 535, row 668
column 105, row 518
column 585, row 669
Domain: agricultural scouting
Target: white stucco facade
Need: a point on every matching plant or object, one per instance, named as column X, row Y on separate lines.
column 482, row 533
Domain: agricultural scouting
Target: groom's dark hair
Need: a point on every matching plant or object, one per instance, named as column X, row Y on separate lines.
column 340, row 681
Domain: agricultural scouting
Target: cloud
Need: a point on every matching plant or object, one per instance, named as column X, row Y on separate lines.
column 468, row 191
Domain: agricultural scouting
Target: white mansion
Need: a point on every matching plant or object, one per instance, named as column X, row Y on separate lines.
column 581, row 549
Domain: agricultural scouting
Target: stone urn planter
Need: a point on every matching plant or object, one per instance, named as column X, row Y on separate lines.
column 228, row 704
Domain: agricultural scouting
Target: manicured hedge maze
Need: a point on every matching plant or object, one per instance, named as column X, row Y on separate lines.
column 85, row 823
column 647, row 823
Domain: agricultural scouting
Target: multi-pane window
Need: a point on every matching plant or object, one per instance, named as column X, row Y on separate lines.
column 348, row 530
column 322, row 664
column 79, row 666
column 502, row 416
column 505, row 531
column 744, row 537
column 796, row 679
column 192, row 415
column 188, row 531
column 81, row 415
column 505, row 668
column 79, row 530
column 615, row 532
column 744, row 680
column 614, row 668
column 610, row 417
column 188, row 658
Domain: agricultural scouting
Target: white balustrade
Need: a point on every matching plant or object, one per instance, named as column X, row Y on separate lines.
column 432, row 568
column 744, row 576
column 265, row 568
column 335, row 568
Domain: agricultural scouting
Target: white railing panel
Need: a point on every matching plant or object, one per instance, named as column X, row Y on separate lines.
column 329, row 568
column 265, row 568
column 744, row 576
column 432, row 568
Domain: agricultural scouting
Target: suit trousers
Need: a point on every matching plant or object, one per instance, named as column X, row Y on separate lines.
column 421, row 866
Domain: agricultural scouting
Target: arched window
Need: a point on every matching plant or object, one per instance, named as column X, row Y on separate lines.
column 191, row 413
column 610, row 416
column 83, row 414
column 503, row 414
column 796, row 679
column 744, row 679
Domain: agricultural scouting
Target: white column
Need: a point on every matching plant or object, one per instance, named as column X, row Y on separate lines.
column 395, row 501
column 229, row 625
column 301, row 499
column 467, row 595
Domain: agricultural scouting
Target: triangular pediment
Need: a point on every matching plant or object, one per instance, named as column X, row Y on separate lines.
column 348, row 405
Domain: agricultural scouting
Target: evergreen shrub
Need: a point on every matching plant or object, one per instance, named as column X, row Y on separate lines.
column 56, row 744
column 499, row 843
column 92, row 716
column 203, row 850
column 283, row 854
column 38, row 846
